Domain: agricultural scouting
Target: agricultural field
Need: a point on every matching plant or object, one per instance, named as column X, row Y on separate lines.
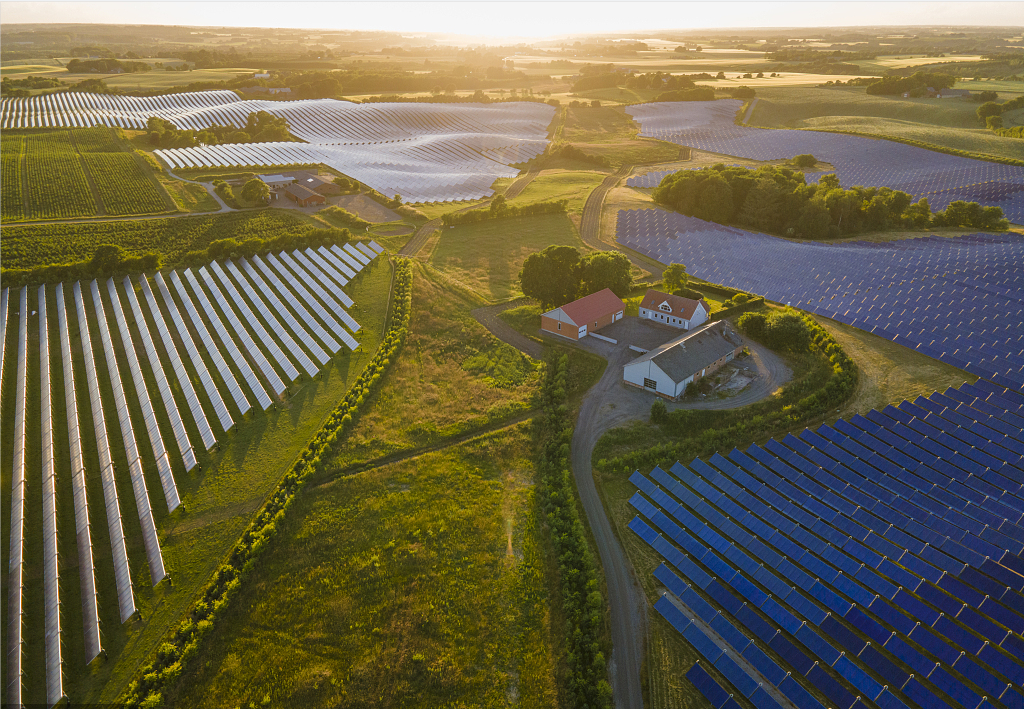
column 572, row 185
column 404, row 585
column 486, row 257
column 83, row 172
column 949, row 123
column 454, row 377
column 32, row 246
column 608, row 132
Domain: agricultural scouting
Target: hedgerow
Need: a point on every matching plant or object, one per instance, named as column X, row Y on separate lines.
column 156, row 678
column 128, row 264
column 500, row 209
column 579, row 587
column 702, row 432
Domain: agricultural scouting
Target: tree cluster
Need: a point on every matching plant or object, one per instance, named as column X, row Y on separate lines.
column 500, row 209
column 578, row 585
column 105, row 66
column 260, row 127
column 559, row 274
column 20, row 87
column 916, row 84
column 777, row 200
column 991, row 114
column 662, row 80
column 698, row 93
column 569, row 151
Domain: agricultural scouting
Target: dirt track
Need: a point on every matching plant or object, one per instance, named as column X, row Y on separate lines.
column 488, row 317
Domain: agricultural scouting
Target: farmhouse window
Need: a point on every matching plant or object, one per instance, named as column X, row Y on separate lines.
column 559, row 326
column 650, row 384
column 666, row 307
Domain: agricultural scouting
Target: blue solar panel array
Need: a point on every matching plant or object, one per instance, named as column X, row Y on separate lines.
column 857, row 160
column 878, row 560
column 960, row 300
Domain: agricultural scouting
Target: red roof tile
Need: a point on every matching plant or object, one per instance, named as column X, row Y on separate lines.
column 592, row 307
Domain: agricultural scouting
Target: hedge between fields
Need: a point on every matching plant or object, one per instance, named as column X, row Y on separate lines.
column 499, row 209
column 582, row 603
column 708, row 431
column 182, row 646
column 152, row 261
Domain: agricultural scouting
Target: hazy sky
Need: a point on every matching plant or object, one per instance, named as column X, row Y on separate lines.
column 522, row 19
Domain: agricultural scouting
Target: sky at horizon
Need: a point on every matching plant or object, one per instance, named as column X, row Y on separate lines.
column 526, row 19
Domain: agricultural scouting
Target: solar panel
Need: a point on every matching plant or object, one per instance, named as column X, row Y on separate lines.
column 163, row 464
column 115, row 531
column 150, row 540
column 227, row 376
column 735, row 674
column 83, row 532
column 181, row 374
column 16, row 579
column 707, row 686
column 830, row 687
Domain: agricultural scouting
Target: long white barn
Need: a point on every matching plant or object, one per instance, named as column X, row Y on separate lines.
column 426, row 152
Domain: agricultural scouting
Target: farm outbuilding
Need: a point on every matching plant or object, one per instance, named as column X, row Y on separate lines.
column 674, row 310
column 668, row 369
column 303, row 196
column 273, row 181
column 577, row 319
column 316, row 183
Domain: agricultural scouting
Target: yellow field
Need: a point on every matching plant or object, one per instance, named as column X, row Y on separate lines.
column 19, row 70
column 905, row 60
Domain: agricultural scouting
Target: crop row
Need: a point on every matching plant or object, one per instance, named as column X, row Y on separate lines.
column 57, row 187
column 96, row 140
column 122, row 185
column 10, row 179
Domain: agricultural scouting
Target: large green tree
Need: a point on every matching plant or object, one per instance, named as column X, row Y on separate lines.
column 604, row 269
column 549, row 276
column 675, row 277
column 255, row 191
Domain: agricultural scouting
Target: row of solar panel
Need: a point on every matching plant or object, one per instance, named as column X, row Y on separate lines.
column 327, row 267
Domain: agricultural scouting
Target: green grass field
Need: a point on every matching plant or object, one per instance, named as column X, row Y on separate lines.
column 453, row 377
column 609, row 132
column 83, row 172
column 410, row 585
column 486, row 257
column 949, row 123
column 572, row 185
column 218, row 498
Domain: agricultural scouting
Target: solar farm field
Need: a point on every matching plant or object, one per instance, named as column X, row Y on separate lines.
column 172, row 403
column 424, row 152
column 877, row 560
column 75, row 173
column 857, row 160
column 956, row 299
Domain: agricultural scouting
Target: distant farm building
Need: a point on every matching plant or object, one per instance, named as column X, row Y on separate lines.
column 265, row 75
column 303, row 196
column 254, row 90
column 316, row 183
column 279, row 91
column 273, row 181
column 667, row 370
column 576, row 319
column 931, row 92
column 674, row 310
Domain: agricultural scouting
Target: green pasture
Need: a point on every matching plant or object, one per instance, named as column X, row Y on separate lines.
column 405, row 585
column 486, row 257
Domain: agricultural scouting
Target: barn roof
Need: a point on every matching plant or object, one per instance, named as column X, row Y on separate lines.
column 588, row 308
column 686, row 355
column 301, row 192
column 681, row 307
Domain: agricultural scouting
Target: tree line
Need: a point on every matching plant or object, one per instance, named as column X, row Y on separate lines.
column 578, row 585
column 916, row 84
column 778, row 200
column 559, row 274
column 991, row 114
column 501, row 209
column 260, row 127
column 105, row 66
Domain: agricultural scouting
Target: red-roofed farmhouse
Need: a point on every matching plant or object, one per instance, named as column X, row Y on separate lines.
column 574, row 320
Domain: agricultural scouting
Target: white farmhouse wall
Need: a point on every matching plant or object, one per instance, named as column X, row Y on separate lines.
column 636, row 372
